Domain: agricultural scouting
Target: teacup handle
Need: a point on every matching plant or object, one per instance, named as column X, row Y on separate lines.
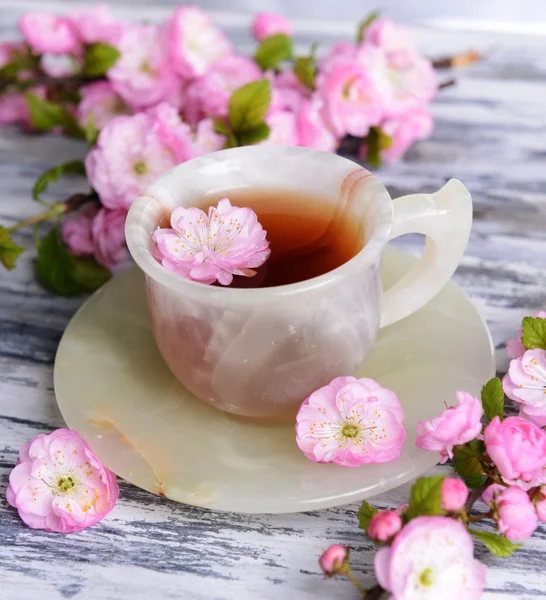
column 445, row 217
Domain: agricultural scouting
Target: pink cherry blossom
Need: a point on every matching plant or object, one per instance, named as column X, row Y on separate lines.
column 76, row 231
column 210, row 94
column 454, row 494
column 514, row 347
column 45, row 32
column 432, row 557
column 335, row 560
column 195, row 44
column 525, row 383
column 132, row 151
column 282, row 129
column 142, row 75
column 404, row 130
column 339, row 53
column 518, row 449
column 389, row 36
column 353, row 102
column 108, row 234
column 287, row 92
column 267, row 24
column 455, row 425
column 540, row 504
column 409, row 81
column 95, row 24
column 166, row 124
column 351, row 422
column 59, row 485
column 384, row 525
column 206, row 139
column 100, row 100
column 207, row 248
column 515, row 514
column 13, row 108
column 312, row 129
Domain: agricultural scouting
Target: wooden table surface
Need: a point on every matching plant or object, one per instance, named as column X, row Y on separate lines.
column 490, row 133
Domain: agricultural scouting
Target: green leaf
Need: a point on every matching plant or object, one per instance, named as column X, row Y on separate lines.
column 223, row 128
column 493, row 399
column 273, row 50
column 70, row 125
column 91, row 131
column 376, row 141
column 248, row 105
column 305, row 69
column 73, row 167
column 98, row 58
column 496, row 544
column 363, row 24
column 44, row 115
column 534, row 333
column 365, row 514
column 66, row 274
column 9, row 250
column 254, row 135
column 426, row 497
column 10, row 70
column 467, row 458
column 475, row 481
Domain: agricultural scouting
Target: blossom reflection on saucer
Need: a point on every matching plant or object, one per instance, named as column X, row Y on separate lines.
column 113, row 387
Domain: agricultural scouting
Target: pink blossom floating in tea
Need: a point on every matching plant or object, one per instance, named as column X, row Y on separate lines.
column 207, row 248
column 59, row 485
column 351, row 422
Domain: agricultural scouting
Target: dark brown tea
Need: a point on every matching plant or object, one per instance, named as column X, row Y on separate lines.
column 308, row 236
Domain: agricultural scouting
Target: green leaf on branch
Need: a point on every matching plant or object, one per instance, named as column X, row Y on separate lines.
column 98, row 58
column 426, row 497
column 91, row 131
column 475, row 481
column 9, row 250
column 498, row 545
column 376, row 141
column 365, row 514
column 43, row 114
column 493, row 399
column 273, row 50
column 534, row 333
column 223, row 128
column 363, row 24
column 73, row 167
column 248, row 106
column 254, row 135
column 66, row 274
column 305, row 69
column 467, row 458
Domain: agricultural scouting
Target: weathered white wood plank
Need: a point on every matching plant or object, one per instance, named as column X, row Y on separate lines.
column 491, row 133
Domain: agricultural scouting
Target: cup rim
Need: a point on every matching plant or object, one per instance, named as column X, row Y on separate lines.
column 138, row 217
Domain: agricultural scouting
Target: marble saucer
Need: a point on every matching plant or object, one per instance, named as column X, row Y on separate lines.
column 113, row 387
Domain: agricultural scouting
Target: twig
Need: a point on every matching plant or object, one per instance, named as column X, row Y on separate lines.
column 447, row 83
column 375, row 593
column 54, row 84
column 459, row 60
column 474, row 495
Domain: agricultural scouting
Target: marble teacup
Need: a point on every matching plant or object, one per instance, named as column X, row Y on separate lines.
column 258, row 353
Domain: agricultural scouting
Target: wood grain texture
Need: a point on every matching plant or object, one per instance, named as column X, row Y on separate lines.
column 490, row 133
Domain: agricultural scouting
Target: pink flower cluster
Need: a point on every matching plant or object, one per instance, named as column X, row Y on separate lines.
column 59, row 485
column 351, row 422
column 155, row 106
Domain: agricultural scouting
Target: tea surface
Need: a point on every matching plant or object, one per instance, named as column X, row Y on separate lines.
column 307, row 237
